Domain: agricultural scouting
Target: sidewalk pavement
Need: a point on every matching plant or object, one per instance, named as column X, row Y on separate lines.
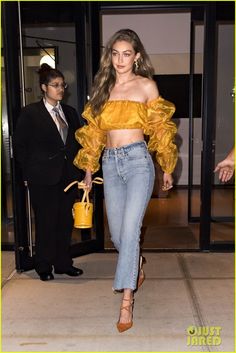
column 80, row 314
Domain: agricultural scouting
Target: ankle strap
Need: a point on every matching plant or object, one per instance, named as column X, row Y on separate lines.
column 128, row 300
column 127, row 307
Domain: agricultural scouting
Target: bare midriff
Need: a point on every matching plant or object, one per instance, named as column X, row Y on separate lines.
column 119, row 138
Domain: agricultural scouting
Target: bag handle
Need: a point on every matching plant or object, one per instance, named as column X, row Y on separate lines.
column 81, row 184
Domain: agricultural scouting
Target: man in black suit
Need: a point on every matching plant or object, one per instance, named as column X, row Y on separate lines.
column 45, row 146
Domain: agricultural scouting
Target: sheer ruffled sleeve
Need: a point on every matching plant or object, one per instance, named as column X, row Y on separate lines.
column 93, row 140
column 162, row 130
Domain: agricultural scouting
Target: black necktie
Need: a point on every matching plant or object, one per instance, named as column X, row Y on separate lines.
column 63, row 128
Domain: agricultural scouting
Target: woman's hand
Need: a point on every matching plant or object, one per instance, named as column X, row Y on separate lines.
column 167, row 182
column 88, row 180
column 226, row 167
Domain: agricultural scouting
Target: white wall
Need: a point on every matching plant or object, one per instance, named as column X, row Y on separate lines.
column 158, row 32
column 168, row 48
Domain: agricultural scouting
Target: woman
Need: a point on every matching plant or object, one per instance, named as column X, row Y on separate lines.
column 125, row 105
column 45, row 147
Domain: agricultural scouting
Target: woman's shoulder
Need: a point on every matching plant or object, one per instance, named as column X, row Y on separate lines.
column 147, row 83
column 144, row 81
column 147, row 86
column 150, row 89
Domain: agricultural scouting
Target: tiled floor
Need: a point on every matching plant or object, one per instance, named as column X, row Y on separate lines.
column 79, row 314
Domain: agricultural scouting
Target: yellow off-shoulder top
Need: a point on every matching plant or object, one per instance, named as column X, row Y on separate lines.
column 152, row 117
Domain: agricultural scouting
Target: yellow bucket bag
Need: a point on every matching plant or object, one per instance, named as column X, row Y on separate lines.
column 82, row 211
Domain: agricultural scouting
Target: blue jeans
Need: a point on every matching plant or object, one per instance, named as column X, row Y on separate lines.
column 128, row 174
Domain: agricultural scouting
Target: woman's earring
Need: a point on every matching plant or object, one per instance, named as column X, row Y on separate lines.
column 136, row 65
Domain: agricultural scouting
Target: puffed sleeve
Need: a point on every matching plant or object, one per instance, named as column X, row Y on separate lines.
column 93, row 140
column 162, row 130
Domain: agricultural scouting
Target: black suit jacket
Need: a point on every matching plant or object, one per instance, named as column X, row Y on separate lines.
column 38, row 146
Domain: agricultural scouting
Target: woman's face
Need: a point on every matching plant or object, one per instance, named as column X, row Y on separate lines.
column 54, row 90
column 123, row 56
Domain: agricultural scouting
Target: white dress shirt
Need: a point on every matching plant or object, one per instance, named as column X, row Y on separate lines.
column 50, row 107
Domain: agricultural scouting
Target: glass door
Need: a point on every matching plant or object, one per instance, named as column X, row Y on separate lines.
column 211, row 203
column 177, row 57
column 222, row 197
column 7, row 225
column 61, row 39
column 57, row 44
column 187, row 208
column 195, row 121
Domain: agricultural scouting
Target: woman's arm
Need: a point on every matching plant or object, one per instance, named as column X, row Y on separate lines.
column 88, row 179
column 92, row 140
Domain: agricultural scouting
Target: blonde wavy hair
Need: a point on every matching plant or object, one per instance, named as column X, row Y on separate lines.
column 105, row 78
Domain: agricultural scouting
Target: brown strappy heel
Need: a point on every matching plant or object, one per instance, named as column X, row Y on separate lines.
column 126, row 326
column 141, row 275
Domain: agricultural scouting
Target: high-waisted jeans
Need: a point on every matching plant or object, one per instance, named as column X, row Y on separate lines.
column 128, row 174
